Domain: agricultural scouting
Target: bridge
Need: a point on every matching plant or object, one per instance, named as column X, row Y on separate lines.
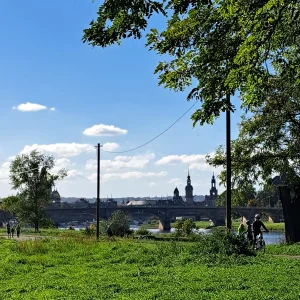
column 164, row 213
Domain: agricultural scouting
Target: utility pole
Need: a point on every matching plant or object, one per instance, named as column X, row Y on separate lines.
column 228, row 166
column 98, row 191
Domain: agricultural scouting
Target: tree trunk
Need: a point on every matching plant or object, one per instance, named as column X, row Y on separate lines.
column 291, row 213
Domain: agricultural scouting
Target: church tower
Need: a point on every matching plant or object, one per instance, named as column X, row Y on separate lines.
column 189, row 198
column 213, row 192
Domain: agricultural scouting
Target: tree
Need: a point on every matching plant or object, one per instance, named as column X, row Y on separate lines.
column 30, row 175
column 178, row 225
column 188, row 226
column 240, row 197
column 11, row 204
column 117, row 225
column 184, row 227
column 222, row 46
column 268, row 144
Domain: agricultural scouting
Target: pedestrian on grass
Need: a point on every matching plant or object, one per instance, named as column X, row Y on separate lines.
column 12, row 231
column 249, row 232
column 241, row 228
column 8, row 230
column 18, row 230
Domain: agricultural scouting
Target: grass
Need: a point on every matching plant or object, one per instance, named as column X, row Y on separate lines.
column 80, row 268
column 235, row 224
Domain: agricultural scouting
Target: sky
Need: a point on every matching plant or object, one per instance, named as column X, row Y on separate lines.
column 62, row 97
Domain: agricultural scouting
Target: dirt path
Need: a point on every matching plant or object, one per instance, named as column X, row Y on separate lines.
column 24, row 237
column 288, row 256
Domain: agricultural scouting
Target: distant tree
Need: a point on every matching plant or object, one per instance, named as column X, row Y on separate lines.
column 11, row 204
column 30, row 175
column 267, row 196
column 240, row 197
column 188, row 226
column 117, row 225
column 184, row 227
column 178, row 225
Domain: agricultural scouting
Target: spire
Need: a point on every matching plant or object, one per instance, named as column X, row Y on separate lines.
column 189, row 177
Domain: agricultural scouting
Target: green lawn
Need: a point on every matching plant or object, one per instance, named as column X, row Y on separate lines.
column 235, row 224
column 81, row 268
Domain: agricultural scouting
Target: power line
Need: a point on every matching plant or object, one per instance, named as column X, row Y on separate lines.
column 4, row 178
column 156, row 137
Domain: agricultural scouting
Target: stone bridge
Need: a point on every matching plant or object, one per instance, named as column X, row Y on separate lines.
column 164, row 213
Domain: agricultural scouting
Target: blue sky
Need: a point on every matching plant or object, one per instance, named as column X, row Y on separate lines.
column 43, row 61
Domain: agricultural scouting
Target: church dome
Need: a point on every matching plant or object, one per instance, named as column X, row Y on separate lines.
column 176, row 191
column 55, row 195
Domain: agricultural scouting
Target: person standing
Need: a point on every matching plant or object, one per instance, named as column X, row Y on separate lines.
column 249, row 232
column 241, row 228
column 8, row 230
column 18, row 230
column 12, row 231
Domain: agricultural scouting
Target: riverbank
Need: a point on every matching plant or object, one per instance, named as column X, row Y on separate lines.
column 129, row 269
column 235, row 224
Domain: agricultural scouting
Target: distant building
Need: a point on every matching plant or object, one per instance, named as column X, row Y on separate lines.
column 210, row 200
column 189, row 199
column 142, row 202
column 177, row 199
column 81, row 203
column 55, row 198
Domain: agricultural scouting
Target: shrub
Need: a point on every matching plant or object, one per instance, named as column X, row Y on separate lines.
column 142, row 231
column 222, row 242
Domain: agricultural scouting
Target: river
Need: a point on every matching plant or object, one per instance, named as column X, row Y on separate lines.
column 272, row 237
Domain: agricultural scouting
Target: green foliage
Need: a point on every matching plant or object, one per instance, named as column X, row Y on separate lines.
column 80, row 268
column 184, row 227
column 116, row 225
column 239, row 197
column 188, row 226
column 219, row 46
column 143, row 231
column 31, row 175
column 11, row 204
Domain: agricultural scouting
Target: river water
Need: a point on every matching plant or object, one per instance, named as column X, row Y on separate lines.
column 273, row 237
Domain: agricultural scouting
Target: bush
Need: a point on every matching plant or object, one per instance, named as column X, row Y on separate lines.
column 142, row 231
column 222, row 242
column 116, row 225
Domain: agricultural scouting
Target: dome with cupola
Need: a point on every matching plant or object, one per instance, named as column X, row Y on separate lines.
column 55, row 196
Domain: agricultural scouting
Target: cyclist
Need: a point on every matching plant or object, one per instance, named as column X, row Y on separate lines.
column 257, row 224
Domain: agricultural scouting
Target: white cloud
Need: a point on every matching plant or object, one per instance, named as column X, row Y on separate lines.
column 175, row 181
column 62, row 163
column 110, row 146
column 104, row 130
column 60, row 149
column 53, row 109
column 4, row 172
column 121, row 162
column 197, row 161
column 75, row 174
column 152, row 183
column 127, row 175
column 29, row 107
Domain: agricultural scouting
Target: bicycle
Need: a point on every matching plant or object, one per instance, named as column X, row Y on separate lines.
column 260, row 243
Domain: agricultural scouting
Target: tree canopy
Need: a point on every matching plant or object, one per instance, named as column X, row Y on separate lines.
column 30, row 175
column 214, row 47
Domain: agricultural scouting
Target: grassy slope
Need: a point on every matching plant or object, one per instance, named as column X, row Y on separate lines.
column 70, row 269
